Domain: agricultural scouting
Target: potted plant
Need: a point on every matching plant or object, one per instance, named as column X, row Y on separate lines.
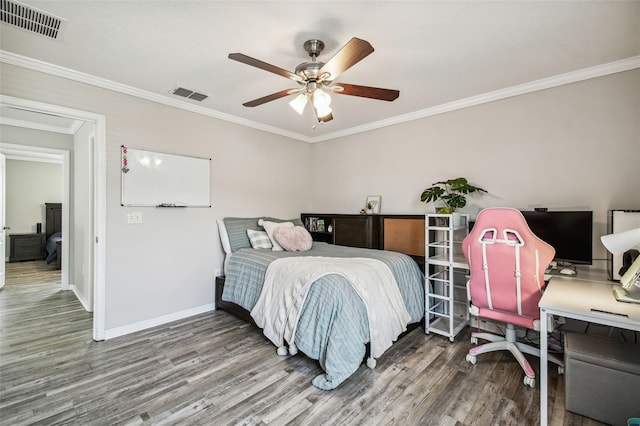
column 369, row 207
column 452, row 192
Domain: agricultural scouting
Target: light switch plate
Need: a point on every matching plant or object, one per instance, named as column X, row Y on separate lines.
column 134, row 217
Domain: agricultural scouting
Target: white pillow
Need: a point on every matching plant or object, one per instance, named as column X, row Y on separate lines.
column 224, row 237
column 259, row 239
column 269, row 227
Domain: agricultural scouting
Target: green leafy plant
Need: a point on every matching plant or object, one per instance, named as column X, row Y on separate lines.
column 452, row 192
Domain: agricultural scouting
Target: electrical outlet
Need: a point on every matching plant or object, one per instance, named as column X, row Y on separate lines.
column 134, row 217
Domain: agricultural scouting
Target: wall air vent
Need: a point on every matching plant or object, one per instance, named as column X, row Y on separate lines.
column 186, row 93
column 31, row 19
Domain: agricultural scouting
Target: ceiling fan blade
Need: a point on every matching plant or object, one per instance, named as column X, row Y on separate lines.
column 271, row 97
column 264, row 66
column 351, row 53
column 366, row 91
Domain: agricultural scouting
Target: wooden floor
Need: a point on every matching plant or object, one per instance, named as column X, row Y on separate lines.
column 213, row 369
column 31, row 272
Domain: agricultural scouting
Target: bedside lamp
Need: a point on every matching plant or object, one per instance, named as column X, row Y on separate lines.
column 617, row 244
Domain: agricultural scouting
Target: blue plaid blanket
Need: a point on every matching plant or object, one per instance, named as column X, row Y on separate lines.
column 333, row 326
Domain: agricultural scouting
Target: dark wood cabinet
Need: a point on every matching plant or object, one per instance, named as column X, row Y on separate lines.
column 403, row 233
column 351, row 230
column 355, row 231
column 26, row 247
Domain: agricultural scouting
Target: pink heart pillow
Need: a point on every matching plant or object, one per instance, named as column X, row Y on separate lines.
column 293, row 239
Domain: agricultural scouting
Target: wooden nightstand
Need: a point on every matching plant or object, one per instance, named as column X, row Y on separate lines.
column 26, row 247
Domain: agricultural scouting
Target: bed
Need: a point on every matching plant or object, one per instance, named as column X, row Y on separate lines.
column 53, row 234
column 333, row 325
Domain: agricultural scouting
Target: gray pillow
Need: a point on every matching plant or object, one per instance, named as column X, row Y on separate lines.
column 237, row 231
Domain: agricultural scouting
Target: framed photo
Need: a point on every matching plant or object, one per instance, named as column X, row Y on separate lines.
column 374, row 201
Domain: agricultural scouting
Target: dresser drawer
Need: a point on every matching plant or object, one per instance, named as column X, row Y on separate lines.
column 26, row 247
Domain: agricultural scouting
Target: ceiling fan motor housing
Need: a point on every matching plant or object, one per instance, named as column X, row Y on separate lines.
column 309, row 70
column 313, row 47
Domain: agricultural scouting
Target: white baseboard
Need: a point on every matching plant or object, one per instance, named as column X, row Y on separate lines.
column 153, row 322
column 80, row 297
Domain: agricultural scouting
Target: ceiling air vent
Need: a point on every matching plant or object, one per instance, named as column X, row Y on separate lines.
column 186, row 93
column 31, row 19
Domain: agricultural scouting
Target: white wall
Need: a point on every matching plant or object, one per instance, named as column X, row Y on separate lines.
column 30, row 184
column 571, row 147
column 166, row 264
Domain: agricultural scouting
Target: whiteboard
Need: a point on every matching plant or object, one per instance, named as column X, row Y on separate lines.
column 164, row 180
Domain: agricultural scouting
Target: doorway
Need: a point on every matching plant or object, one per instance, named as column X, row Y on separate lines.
column 94, row 239
column 28, row 153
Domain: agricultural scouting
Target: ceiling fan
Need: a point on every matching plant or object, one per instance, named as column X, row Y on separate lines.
column 315, row 76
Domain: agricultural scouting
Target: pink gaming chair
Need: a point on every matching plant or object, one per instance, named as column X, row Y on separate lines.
column 507, row 263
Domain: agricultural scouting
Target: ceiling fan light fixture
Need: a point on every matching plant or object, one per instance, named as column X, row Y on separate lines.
column 298, row 103
column 325, row 118
column 323, row 111
column 321, row 99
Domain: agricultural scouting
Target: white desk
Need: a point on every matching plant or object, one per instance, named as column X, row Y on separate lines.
column 583, row 300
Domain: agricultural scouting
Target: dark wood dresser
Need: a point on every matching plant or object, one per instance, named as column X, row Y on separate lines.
column 404, row 233
column 352, row 230
column 26, row 247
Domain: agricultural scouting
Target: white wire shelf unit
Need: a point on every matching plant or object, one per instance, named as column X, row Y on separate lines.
column 446, row 274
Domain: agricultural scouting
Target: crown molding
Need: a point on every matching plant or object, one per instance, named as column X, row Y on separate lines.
column 58, row 71
column 622, row 65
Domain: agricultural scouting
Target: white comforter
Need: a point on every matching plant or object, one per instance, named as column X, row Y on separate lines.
column 287, row 282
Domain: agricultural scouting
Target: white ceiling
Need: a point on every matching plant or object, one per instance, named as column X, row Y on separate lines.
column 437, row 53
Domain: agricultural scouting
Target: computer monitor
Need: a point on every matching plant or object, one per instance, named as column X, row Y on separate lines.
column 569, row 232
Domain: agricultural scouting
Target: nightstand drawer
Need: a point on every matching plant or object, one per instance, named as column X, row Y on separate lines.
column 26, row 247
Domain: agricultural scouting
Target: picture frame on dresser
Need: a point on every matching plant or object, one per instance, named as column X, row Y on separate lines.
column 375, row 201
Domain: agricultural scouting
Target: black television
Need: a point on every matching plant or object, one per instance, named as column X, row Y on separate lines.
column 569, row 232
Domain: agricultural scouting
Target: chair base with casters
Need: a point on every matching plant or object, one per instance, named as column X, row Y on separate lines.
column 508, row 342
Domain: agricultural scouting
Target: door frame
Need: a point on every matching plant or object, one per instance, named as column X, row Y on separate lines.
column 99, row 197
